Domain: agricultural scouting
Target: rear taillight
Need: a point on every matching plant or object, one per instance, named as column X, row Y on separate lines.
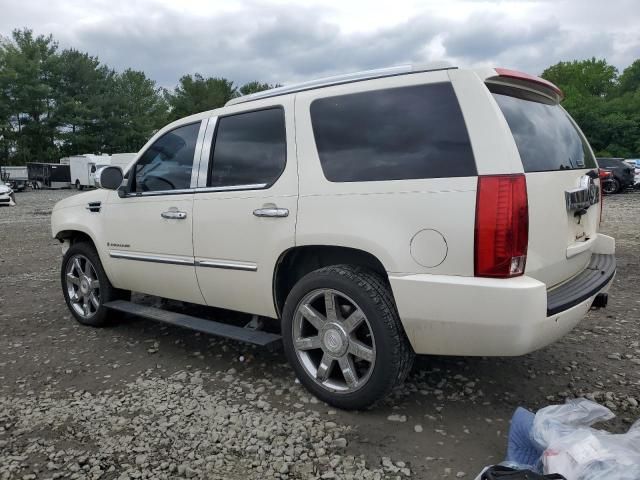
column 502, row 226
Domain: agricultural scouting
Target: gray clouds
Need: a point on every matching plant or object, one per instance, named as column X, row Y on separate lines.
column 283, row 42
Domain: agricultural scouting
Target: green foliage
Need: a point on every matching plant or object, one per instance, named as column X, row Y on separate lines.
column 198, row 94
column 255, row 87
column 55, row 103
column 605, row 105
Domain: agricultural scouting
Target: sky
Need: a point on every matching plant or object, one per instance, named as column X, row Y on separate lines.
column 281, row 41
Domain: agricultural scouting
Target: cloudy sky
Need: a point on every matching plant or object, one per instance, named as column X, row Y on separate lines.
column 284, row 41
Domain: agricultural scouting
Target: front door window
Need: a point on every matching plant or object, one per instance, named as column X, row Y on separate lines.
column 166, row 165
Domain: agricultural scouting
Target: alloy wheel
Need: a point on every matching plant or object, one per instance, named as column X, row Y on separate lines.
column 333, row 341
column 83, row 286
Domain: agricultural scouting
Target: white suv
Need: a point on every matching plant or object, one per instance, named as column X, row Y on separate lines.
column 372, row 216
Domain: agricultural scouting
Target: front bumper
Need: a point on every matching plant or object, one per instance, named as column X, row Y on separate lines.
column 7, row 199
column 449, row 315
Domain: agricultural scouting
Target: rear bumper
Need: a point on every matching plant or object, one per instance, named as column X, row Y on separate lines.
column 449, row 315
column 583, row 286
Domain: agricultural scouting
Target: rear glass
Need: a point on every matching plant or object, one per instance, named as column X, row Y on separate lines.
column 545, row 135
column 392, row 134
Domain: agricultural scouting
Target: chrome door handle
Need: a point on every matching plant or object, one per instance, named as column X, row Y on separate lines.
column 271, row 212
column 174, row 215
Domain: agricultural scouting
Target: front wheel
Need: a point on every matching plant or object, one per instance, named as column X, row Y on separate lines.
column 343, row 337
column 85, row 285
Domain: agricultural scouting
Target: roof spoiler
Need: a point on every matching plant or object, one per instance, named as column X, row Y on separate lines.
column 514, row 77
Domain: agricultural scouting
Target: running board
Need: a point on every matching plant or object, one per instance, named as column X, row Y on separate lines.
column 248, row 335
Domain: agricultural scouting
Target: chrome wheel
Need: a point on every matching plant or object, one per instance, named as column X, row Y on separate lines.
column 333, row 341
column 83, row 286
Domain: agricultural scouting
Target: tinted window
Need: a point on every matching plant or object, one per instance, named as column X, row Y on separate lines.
column 250, row 148
column 610, row 163
column 545, row 136
column 166, row 165
column 394, row 134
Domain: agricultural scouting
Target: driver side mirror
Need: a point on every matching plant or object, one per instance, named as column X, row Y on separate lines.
column 109, row 177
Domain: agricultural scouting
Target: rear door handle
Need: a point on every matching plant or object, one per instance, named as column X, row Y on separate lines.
column 271, row 212
column 174, row 215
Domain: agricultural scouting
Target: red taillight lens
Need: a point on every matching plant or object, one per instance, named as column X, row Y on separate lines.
column 602, row 173
column 502, row 226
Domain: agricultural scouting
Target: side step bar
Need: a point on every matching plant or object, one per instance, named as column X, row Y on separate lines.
column 248, row 335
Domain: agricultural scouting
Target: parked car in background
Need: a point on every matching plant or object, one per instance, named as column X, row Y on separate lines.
column 368, row 217
column 635, row 164
column 7, row 197
column 623, row 175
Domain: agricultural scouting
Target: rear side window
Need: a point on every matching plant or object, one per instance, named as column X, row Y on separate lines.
column 393, row 134
column 610, row 163
column 545, row 135
column 250, row 148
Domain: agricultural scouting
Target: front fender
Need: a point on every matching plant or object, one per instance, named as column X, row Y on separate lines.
column 69, row 221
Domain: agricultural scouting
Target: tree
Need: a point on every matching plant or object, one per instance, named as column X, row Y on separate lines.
column 195, row 93
column 255, row 87
column 629, row 81
column 133, row 109
column 606, row 107
column 80, row 82
column 585, row 77
column 26, row 83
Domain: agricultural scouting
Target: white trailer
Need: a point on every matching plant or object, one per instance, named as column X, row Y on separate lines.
column 83, row 169
column 122, row 160
column 16, row 177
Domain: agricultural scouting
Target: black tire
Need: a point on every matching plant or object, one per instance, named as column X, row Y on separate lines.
column 107, row 292
column 611, row 186
column 78, row 186
column 394, row 355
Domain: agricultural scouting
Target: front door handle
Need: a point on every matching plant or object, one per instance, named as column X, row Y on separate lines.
column 174, row 215
column 271, row 212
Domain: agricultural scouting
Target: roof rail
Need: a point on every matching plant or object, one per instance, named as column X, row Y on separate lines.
column 340, row 79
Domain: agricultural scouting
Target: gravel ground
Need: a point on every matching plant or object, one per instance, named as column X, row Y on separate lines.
column 142, row 400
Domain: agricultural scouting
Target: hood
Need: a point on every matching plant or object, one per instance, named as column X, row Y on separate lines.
column 5, row 189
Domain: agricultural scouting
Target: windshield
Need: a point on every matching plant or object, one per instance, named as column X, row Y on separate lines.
column 545, row 136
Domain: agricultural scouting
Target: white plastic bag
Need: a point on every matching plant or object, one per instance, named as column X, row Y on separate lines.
column 579, row 452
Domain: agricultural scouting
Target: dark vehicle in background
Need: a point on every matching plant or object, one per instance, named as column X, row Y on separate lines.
column 622, row 175
column 49, row 175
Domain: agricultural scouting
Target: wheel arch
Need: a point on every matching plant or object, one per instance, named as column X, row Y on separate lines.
column 296, row 262
column 75, row 235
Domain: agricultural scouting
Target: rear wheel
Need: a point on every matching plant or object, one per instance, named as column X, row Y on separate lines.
column 343, row 337
column 611, row 186
column 78, row 186
column 86, row 287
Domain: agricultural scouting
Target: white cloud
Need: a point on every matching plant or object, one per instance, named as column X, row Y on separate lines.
column 282, row 41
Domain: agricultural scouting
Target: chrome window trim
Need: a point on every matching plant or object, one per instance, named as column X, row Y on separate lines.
column 150, row 258
column 205, row 156
column 197, row 154
column 228, row 188
column 227, row 265
column 233, row 188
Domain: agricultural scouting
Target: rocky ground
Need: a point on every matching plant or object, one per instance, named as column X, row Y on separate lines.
column 142, row 400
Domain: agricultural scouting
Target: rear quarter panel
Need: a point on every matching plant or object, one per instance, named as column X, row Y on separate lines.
column 382, row 217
